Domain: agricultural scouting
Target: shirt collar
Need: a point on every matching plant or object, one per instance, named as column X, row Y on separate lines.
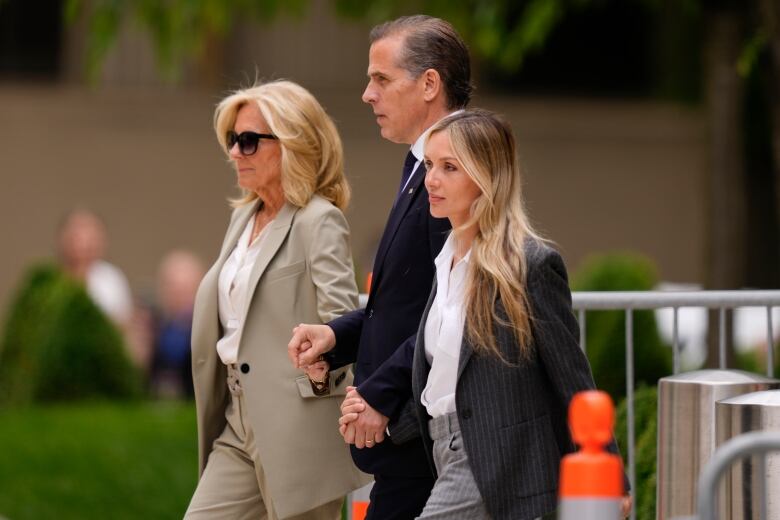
column 444, row 258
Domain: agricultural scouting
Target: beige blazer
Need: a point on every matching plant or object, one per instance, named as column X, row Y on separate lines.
column 303, row 274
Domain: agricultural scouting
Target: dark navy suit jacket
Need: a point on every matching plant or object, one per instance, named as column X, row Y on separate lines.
column 402, row 278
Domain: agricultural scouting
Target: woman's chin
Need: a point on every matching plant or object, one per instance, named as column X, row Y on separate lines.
column 437, row 213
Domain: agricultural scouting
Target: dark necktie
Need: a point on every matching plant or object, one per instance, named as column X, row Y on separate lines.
column 408, row 169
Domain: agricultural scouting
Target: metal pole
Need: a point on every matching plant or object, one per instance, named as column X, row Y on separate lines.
column 741, row 446
column 770, row 344
column 722, row 338
column 581, row 314
column 675, row 341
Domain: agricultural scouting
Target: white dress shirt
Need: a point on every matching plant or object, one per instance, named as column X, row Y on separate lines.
column 234, row 291
column 444, row 331
column 108, row 288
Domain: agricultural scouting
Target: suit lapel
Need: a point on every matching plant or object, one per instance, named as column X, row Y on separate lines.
column 208, row 312
column 465, row 354
column 271, row 244
column 400, row 208
column 234, row 233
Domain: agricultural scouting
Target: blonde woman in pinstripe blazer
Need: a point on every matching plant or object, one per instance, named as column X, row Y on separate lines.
column 496, row 360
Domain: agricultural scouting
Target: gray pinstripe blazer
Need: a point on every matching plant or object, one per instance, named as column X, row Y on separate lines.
column 513, row 416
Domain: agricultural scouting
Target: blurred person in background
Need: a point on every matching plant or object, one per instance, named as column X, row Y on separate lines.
column 81, row 246
column 178, row 278
column 268, row 442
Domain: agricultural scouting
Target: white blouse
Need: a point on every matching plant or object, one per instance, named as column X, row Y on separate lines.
column 234, row 291
column 444, row 331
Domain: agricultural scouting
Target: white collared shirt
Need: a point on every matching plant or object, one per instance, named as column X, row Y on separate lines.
column 444, row 331
column 234, row 291
column 418, row 148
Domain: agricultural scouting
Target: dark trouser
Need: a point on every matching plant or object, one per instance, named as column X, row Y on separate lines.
column 398, row 498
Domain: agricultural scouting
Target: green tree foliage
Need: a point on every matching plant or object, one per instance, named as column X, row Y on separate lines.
column 646, row 428
column 59, row 346
column 179, row 29
column 605, row 330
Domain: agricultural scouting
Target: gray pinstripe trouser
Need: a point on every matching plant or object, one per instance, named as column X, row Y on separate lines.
column 455, row 494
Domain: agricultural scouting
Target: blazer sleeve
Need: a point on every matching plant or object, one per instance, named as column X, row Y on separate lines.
column 555, row 329
column 330, row 263
column 556, row 332
column 389, row 388
column 347, row 329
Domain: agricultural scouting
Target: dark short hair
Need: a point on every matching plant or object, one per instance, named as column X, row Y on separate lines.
column 432, row 43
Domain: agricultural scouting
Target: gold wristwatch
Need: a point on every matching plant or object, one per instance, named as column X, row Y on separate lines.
column 321, row 387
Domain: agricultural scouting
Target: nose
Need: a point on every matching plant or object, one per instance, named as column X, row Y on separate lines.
column 235, row 151
column 431, row 181
column 369, row 96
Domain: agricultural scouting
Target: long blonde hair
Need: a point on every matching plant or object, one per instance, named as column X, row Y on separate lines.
column 484, row 145
column 312, row 153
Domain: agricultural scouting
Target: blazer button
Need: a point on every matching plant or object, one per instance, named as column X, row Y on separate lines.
column 244, row 368
column 370, row 313
column 466, row 414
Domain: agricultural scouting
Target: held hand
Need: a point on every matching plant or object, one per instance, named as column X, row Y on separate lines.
column 308, row 343
column 350, row 409
column 369, row 425
column 317, row 371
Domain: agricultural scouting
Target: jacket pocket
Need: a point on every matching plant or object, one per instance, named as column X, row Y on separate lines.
column 530, row 456
column 340, row 379
column 284, row 272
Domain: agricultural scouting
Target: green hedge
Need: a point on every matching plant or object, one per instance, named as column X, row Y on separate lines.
column 57, row 345
column 97, row 461
column 605, row 330
column 646, row 432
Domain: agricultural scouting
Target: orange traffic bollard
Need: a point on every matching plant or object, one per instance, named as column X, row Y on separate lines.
column 591, row 486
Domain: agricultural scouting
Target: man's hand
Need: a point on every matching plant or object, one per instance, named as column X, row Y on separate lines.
column 308, row 343
column 360, row 424
column 317, row 371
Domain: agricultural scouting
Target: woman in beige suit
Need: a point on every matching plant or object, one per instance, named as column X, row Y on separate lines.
column 268, row 445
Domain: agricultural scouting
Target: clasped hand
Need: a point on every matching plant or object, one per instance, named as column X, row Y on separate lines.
column 360, row 424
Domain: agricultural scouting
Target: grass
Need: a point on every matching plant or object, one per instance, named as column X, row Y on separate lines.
column 100, row 460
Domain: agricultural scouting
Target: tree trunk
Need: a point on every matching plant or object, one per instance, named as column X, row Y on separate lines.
column 770, row 13
column 724, row 95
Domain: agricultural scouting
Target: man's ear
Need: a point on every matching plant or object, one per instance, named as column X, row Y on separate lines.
column 431, row 84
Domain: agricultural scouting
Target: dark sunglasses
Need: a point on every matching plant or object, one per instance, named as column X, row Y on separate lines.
column 247, row 141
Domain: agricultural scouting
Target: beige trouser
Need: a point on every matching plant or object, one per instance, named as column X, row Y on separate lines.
column 232, row 485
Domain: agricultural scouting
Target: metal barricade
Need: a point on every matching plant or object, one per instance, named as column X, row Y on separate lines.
column 630, row 301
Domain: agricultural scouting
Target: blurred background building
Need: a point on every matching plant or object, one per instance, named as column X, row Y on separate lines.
column 611, row 109
column 649, row 132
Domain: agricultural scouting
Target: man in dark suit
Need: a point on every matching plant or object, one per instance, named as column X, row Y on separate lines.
column 419, row 72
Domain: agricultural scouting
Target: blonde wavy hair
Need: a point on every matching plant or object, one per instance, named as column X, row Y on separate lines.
column 312, row 153
column 484, row 145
